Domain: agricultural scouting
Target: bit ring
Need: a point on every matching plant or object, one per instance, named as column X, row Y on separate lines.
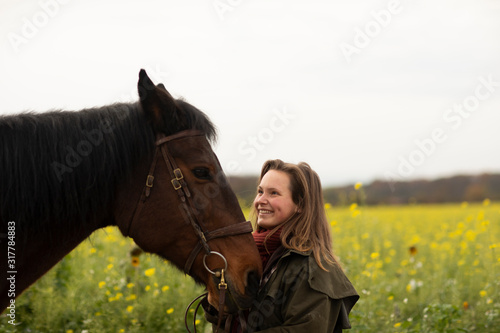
column 216, row 253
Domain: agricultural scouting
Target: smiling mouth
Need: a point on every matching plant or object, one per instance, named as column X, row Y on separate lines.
column 263, row 211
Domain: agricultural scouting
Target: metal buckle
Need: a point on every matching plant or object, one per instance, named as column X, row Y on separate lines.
column 149, row 181
column 178, row 174
column 222, row 284
column 176, row 184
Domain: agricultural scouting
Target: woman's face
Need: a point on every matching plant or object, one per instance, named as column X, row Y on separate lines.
column 273, row 203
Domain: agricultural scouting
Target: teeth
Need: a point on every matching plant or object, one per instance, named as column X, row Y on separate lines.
column 265, row 211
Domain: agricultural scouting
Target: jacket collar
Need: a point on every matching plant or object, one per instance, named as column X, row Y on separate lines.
column 280, row 253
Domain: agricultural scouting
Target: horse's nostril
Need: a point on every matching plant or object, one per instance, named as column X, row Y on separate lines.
column 253, row 281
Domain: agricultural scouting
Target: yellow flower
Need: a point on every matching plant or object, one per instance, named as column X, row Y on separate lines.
column 415, row 239
column 480, row 216
column 486, row 202
column 328, row 206
column 165, row 288
column 111, row 238
column 130, row 308
column 93, row 250
column 390, row 298
column 396, row 325
column 147, row 287
column 374, row 255
column 483, row 293
column 150, row 272
column 470, row 235
column 197, row 322
column 169, row 311
column 102, row 284
column 358, row 185
column 131, row 297
column 130, row 285
column 69, row 331
column 353, row 207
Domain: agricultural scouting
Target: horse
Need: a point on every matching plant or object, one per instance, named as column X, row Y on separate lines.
column 146, row 167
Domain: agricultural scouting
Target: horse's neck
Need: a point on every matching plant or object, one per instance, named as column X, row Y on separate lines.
column 34, row 260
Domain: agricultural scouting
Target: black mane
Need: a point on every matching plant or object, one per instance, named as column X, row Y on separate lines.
column 63, row 167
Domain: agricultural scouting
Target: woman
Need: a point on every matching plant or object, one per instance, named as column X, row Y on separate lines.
column 303, row 287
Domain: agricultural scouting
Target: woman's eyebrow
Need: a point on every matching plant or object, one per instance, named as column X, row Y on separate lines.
column 270, row 189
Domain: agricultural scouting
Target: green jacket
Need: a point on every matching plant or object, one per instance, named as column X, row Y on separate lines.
column 297, row 296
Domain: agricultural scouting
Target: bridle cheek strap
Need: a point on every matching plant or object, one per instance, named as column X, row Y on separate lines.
column 177, row 182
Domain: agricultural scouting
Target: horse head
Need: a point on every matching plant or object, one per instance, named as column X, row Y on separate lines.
column 179, row 205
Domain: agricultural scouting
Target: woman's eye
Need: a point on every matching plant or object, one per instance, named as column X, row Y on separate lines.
column 202, row 173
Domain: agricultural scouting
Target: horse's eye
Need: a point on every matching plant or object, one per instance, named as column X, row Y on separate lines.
column 202, row 173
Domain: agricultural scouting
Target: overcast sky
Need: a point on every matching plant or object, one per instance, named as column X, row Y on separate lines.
column 361, row 90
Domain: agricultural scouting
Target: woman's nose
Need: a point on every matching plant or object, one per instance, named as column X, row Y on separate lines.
column 260, row 199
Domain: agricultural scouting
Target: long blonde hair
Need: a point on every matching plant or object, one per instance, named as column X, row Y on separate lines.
column 308, row 228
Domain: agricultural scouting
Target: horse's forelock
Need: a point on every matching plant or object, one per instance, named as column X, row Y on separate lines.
column 196, row 119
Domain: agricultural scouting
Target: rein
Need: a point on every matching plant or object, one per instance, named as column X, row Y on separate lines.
column 191, row 214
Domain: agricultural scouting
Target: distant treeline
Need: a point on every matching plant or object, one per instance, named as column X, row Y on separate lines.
column 451, row 189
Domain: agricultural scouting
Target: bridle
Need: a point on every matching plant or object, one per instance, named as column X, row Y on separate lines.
column 189, row 212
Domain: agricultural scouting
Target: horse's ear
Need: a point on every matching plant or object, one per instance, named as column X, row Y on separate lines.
column 157, row 103
column 161, row 86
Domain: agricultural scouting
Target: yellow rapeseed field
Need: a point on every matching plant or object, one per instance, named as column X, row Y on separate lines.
column 433, row 268
column 422, row 268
